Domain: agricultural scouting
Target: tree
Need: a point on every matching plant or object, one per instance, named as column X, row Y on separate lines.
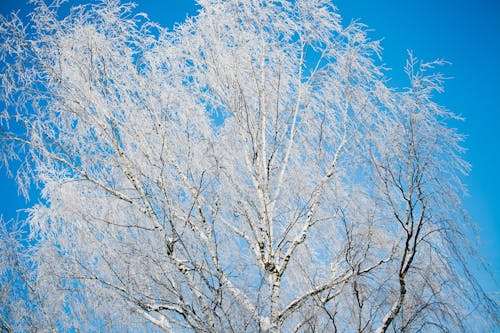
column 22, row 305
column 250, row 170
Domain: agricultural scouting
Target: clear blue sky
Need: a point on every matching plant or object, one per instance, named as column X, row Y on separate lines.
column 464, row 32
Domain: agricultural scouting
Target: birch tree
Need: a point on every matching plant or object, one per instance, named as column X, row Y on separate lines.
column 249, row 170
column 21, row 306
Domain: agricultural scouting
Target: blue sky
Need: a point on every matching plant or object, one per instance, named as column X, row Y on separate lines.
column 464, row 32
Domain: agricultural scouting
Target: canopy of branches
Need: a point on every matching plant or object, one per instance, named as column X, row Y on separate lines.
column 250, row 170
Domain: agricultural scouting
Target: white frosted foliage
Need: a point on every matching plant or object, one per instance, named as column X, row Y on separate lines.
column 249, row 170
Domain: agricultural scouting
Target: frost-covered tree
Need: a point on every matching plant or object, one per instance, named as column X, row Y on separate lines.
column 21, row 305
column 248, row 171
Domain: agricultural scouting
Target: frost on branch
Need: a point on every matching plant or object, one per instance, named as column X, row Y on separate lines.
column 249, row 170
